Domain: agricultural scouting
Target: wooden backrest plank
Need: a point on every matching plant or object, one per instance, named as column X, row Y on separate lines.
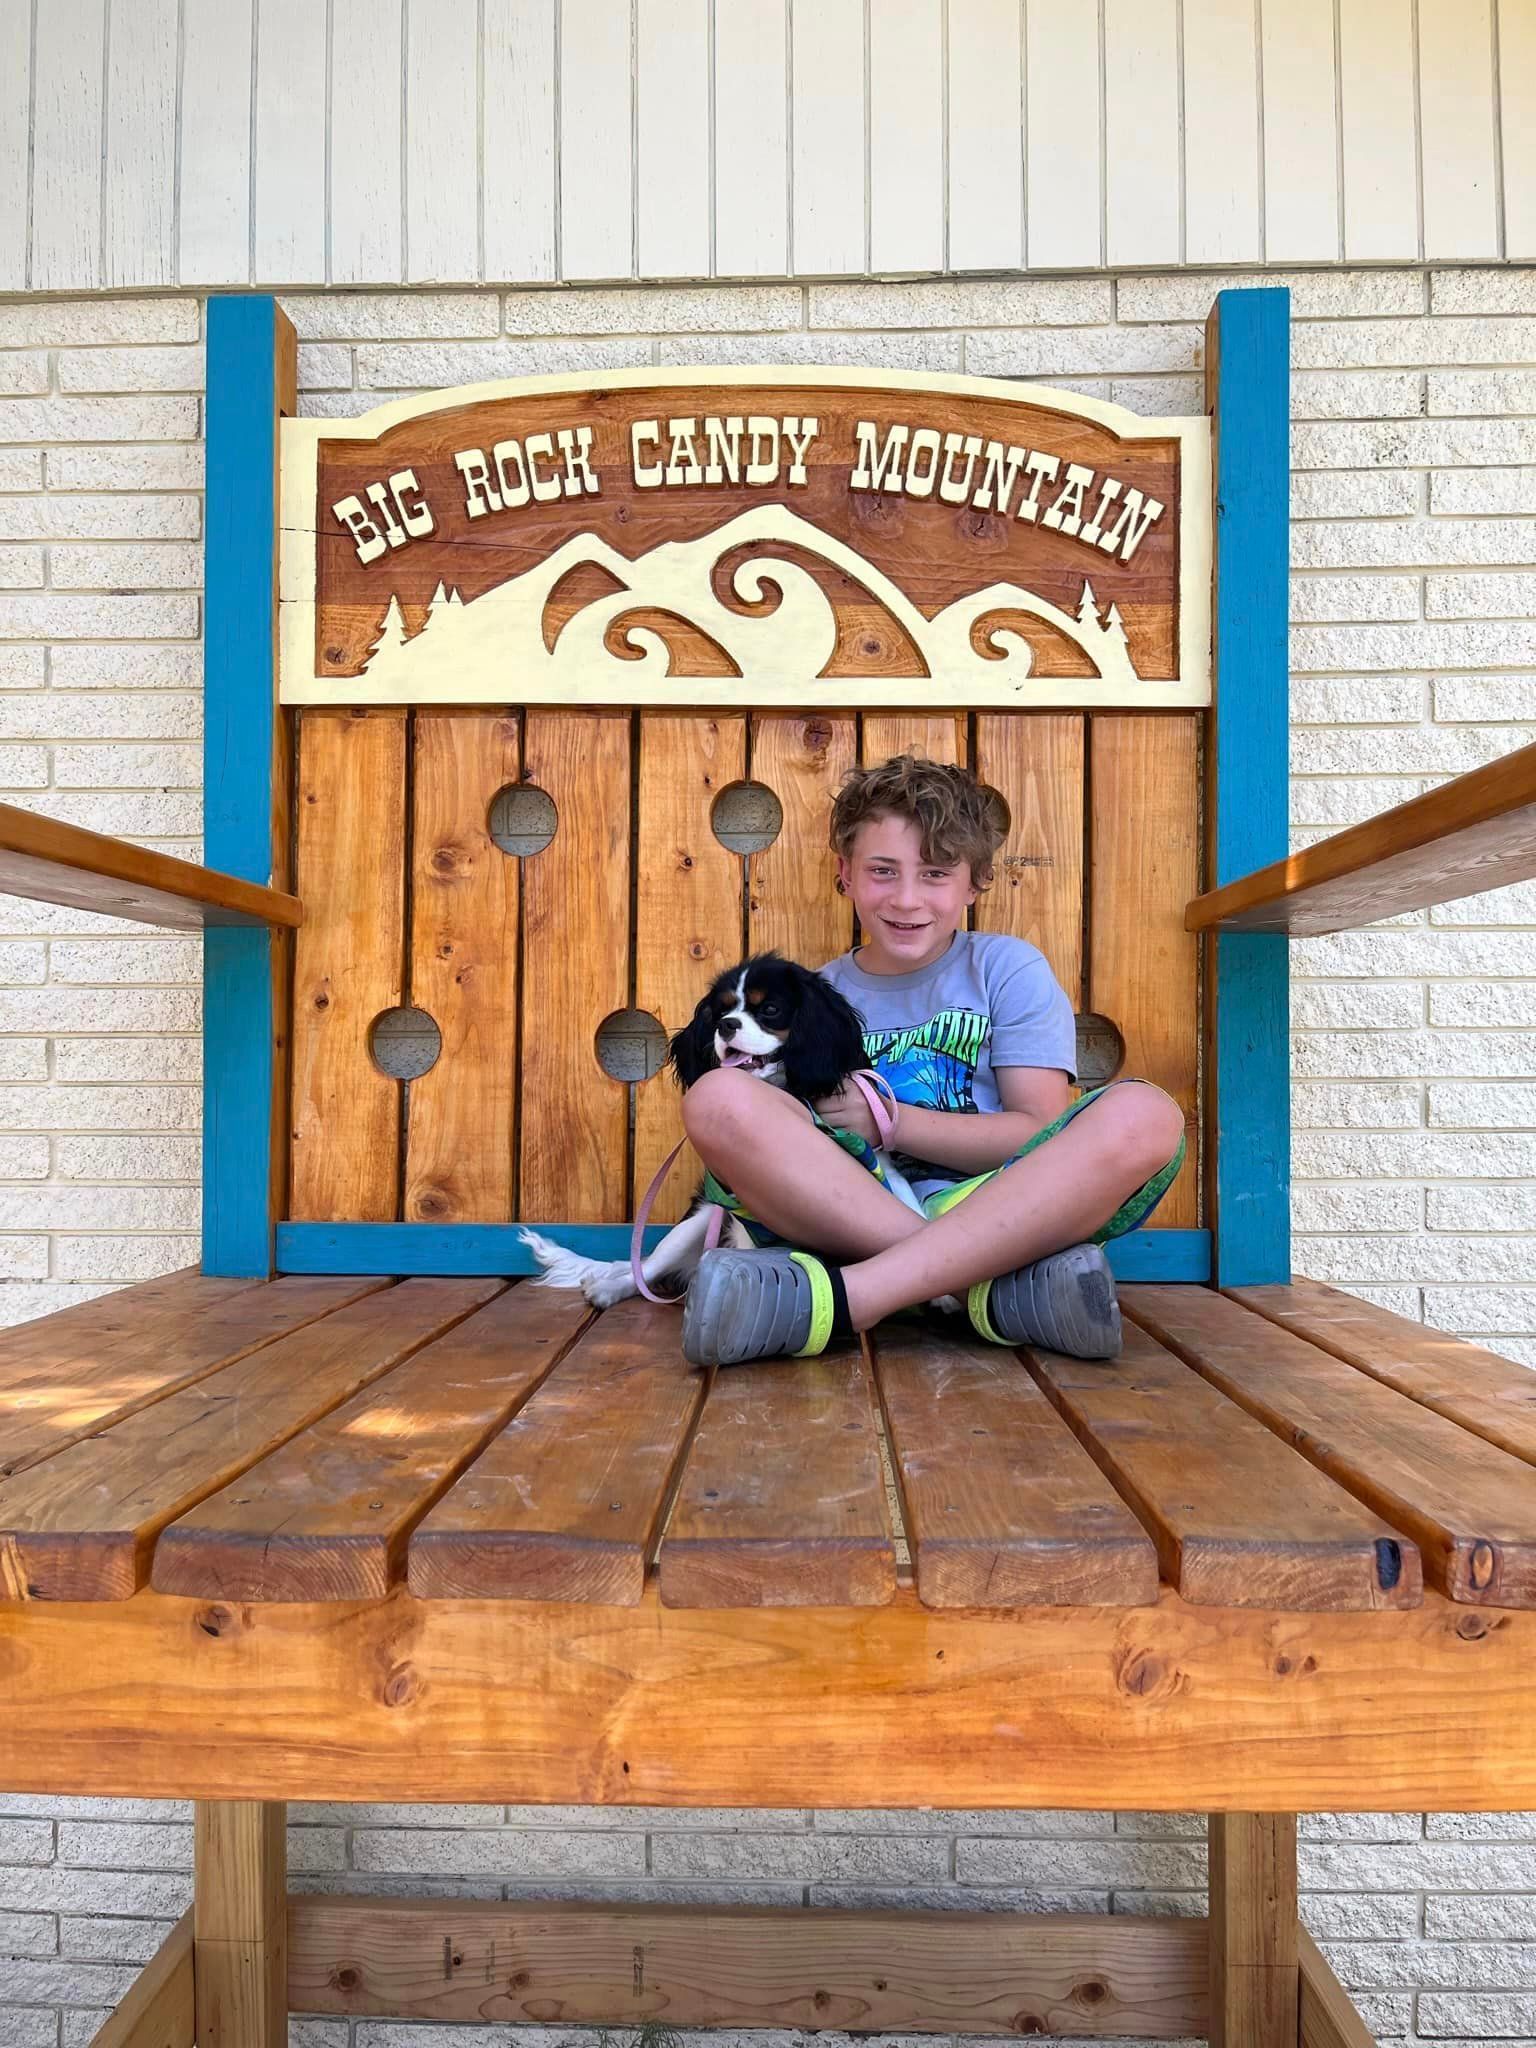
column 1491, row 1396
column 82, row 1392
column 1239, row 1518
column 1143, row 967
column 1470, row 1507
column 1002, row 1506
column 782, row 1501
column 575, row 1119
column 566, row 1503
column 791, row 903
column 348, row 963
column 82, row 1525
column 688, row 913
column 884, row 733
column 326, row 1515
column 1035, row 761
column 460, row 1130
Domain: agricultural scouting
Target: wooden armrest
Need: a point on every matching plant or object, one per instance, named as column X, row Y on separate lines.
column 1473, row 833
column 56, row 863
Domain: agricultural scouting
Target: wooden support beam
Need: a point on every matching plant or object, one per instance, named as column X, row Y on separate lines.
column 617, row 1965
column 1253, row 1929
column 158, row 2010
column 240, row 1923
column 51, row 862
column 1473, row 833
column 1327, row 2018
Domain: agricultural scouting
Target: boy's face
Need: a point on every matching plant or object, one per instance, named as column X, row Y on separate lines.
column 909, row 908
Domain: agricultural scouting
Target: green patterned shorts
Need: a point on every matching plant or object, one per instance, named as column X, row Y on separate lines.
column 1132, row 1212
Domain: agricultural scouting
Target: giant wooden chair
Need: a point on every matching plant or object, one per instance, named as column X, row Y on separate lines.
column 353, row 1513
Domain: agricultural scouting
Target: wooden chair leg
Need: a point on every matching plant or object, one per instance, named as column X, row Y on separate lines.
column 240, row 1923
column 1254, row 1967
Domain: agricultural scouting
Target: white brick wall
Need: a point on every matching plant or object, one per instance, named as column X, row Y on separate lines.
column 1413, row 649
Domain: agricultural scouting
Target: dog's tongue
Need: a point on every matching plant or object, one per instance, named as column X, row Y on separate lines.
column 735, row 1058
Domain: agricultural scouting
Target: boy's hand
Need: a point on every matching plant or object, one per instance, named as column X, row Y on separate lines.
column 847, row 1110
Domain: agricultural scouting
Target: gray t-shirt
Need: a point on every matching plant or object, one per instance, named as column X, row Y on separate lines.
column 936, row 1034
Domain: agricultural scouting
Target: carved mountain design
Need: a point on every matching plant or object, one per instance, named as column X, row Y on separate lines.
column 788, row 629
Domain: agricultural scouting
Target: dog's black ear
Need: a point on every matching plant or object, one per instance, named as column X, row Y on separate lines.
column 692, row 1050
column 826, row 1040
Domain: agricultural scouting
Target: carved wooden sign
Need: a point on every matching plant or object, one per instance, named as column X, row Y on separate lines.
column 754, row 537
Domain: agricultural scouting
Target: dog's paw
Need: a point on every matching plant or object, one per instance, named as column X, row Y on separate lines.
column 951, row 1304
column 609, row 1284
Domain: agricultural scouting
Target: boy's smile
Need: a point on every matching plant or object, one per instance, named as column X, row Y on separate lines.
column 909, row 908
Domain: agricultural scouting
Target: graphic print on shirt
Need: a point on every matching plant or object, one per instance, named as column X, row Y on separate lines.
column 932, row 1065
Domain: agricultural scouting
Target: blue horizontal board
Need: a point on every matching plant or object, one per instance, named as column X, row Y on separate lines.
column 498, row 1248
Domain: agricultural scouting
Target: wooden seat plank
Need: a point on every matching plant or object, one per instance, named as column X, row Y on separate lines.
column 1239, row 1518
column 1491, row 1396
column 1002, row 1506
column 82, row 1525
column 326, row 1515
column 350, row 823
column 689, row 908
column 79, row 1333
column 1142, row 964
column 791, row 904
column 1035, row 762
column 1469, row 1506
column 460, row 1133
column 566, row 1503
column 575, row 1118
column 782, row 1501
column 51, row 1404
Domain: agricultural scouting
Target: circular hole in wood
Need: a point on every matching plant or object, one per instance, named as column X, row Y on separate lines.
column 631, row 1045
column 523, row 819
column 746, row 817
column 404, row 1043
column 1100, row 1050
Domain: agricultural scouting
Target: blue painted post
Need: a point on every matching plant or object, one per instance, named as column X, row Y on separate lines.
column 1248, row 1122
column 250, row 379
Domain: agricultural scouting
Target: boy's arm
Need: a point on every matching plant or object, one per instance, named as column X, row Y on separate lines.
column 1032, row 1097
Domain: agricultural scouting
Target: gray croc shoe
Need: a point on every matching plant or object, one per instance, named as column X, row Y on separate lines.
column 759, row 1304
column 1065, row 1302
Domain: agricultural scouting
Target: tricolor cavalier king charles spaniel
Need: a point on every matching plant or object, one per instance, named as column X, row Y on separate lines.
column 767, row 1016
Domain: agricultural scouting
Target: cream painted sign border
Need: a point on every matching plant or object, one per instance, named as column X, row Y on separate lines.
column 475, row 657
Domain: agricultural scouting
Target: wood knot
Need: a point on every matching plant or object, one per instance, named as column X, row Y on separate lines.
column 444, row 859
column 1483, row 1565
column 347, row 1977
column 401, row 1687
column 1028, row 2023
column 1092, row 1993
column 215, row 1621
column 1143, row 1674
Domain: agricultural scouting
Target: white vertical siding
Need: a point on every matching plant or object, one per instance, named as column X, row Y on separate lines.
column 235, row 142
column 751, row 137
column 906, row 136
column 1221, row 134
column 138, row 244
column 66, row 144
column 217, row 66
column 596, row 139
column 365, row 133
column 1455, row 89
column 1141, row 131
column 1301, row 131
column 1064, row 188
column 1376, row 87
column 291, row 57
column 827, row 81
column 673, row 126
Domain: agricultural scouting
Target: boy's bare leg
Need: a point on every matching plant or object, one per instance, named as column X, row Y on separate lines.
column 774, row 1158
column 765, row 1148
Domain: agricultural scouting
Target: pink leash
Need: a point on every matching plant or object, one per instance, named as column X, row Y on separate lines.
column 885, row 1124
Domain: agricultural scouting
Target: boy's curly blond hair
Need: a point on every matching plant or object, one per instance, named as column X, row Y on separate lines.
column 958, row 817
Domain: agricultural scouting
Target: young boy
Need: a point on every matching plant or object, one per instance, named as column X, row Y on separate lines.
column 977, row 1041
